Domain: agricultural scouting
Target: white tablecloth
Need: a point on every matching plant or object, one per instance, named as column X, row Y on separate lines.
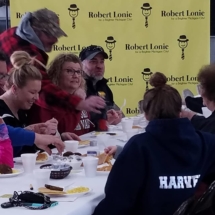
column 83, row 205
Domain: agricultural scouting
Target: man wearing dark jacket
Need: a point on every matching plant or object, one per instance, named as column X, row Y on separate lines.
column 93, row 58
column 36, row 34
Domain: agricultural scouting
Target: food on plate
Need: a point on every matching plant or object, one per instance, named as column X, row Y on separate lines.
column 105, row 168
column 136, row 126
column 44, row 190
column 78, row 190
column 15, row 171
column 50, row 187
column 104, row 158
column 84, row 142
column 42, row 157
column 69, row 153
column 5, row 169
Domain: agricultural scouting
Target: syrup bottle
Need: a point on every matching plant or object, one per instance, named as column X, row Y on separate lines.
column 102, row 124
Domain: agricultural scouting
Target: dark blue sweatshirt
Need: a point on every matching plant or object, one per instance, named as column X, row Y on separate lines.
column 20, row 137
column 158, row 170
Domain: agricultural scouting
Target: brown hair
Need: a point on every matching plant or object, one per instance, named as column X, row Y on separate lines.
column 23, row 69
column 206, row 77
column 162, row 101
column 56, row 66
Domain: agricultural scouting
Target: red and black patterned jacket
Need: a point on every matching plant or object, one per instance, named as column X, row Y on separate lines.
column 51, row 95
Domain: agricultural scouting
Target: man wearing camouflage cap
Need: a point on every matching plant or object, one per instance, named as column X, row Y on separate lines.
column 36, row 34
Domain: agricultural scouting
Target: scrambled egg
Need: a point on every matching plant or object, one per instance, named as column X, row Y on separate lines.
column 78, row 190
column 15, row 171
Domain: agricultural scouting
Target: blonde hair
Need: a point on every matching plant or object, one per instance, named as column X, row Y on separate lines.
column 23, row 69
column 56, row 66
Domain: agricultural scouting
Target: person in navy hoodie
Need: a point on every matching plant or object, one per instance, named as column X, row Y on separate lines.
column 160, row 169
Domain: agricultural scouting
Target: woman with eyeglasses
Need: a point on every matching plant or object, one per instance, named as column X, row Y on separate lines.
column 66, row 72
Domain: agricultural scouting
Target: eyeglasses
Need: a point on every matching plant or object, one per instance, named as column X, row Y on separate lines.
column 4, row 76
column 72, row 72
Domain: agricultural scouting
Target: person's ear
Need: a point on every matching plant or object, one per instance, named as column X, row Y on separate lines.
column 146, row 117
column 14, row 89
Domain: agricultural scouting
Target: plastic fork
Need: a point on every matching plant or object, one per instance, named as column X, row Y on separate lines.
column 123, row 105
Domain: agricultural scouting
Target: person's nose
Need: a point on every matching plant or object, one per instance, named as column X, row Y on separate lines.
column 99, row 65
column 36, row 97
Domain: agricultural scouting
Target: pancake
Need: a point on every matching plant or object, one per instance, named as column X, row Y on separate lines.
column 42, row 157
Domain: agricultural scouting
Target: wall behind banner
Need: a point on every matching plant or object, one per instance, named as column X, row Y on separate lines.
column 141, row 37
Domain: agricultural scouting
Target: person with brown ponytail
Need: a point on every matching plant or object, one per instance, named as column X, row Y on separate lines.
column 159, row 169
column 23, row 88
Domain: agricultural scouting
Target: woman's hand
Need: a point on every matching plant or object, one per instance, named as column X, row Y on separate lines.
column 49, row 127
column 187, row 114
column 114, row 117
column 69, row 136
column 111, row 150
column 42, row 141
column 80, row 93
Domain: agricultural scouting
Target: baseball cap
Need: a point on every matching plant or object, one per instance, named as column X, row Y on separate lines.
column 47, row 21
column 91, row 51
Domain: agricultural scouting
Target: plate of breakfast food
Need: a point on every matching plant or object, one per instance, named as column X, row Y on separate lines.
column 7, row 172
column 41, row 158
column 70, row 190
column 83, row 143
column 105, row 163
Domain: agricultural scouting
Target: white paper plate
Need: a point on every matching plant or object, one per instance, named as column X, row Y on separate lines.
column 116, row 133
column 102, row 165
column 82, row 146
column 72, row 194
column 19, row 160
column 20, row 171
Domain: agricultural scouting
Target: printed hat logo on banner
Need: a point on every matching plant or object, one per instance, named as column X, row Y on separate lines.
column 146, row 76
column 146, row 11
column 183, row 43
column 110, row 44
column 73, row 12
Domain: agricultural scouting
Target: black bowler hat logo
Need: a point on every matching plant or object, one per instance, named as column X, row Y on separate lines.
column 73, row 12
column 183, row 43
column 146, row 76
column 110, row 44
column 146, row 11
